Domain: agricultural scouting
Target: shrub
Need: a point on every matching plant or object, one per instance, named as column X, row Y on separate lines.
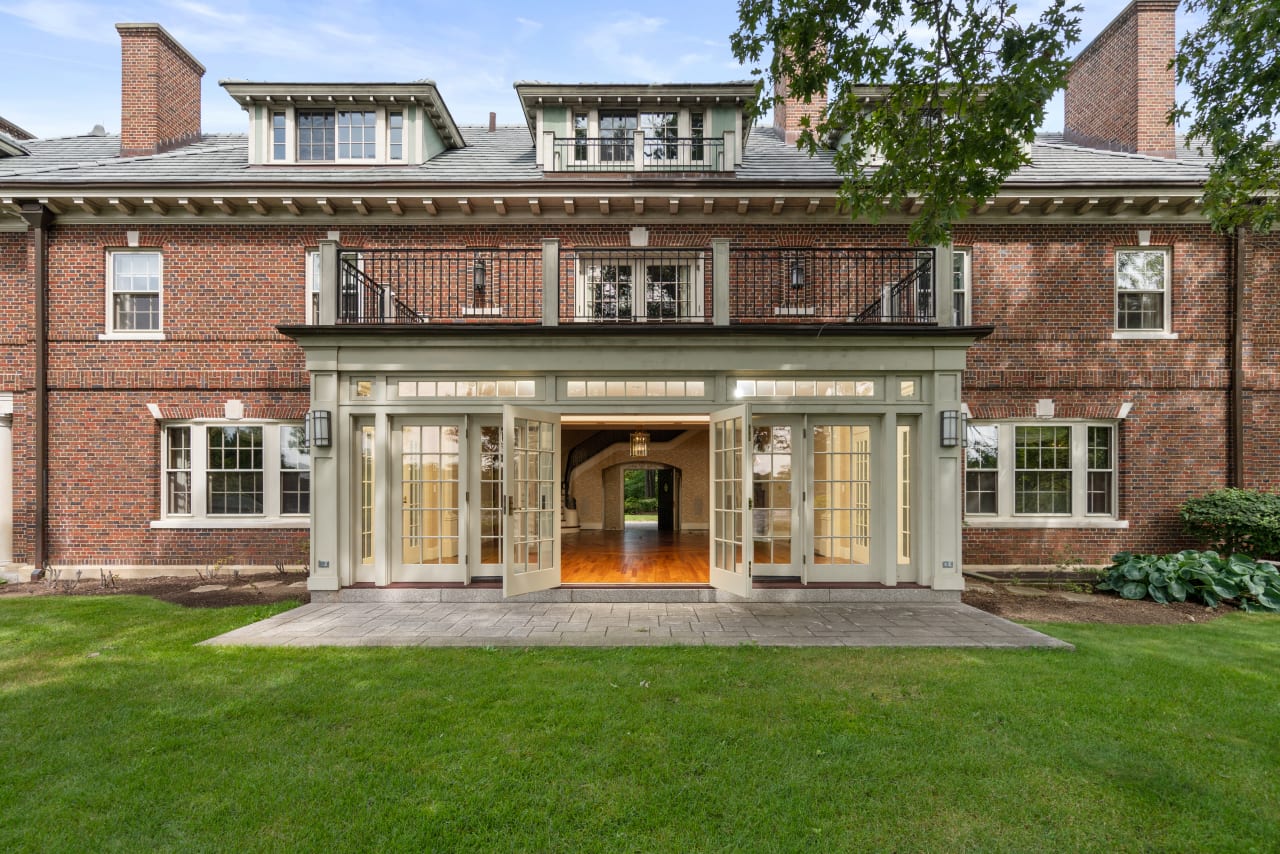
column 638, row 506
column 1235, row 521
column 1204, row 576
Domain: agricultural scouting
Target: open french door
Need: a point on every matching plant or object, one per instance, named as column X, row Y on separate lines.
column 730, row 489
column 531, row 491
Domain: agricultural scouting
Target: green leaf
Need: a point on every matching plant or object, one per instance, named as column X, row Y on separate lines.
column 1134, row 590
column 1177, row 590
column 1158, row 594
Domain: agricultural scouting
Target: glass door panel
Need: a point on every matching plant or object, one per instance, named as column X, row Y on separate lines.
column 487, row 442
column 426, row 529
column 774, row 518
column 731, row 539
column 366, row 486
column 531, row 440
column 842, row 467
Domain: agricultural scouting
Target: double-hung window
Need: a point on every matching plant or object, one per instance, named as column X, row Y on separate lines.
column 326, row 135
column 1041, row 474
column 235, row 474
column 617, row 136
column 961, row 287
column 134, row 299
column 661, row 136
column 1142, row 293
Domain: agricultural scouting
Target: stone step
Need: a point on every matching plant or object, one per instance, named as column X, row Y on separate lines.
column 636, row 593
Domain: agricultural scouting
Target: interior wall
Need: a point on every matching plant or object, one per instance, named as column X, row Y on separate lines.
column 594, row 482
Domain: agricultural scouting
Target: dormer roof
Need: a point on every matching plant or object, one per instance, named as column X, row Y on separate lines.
column 336, row 95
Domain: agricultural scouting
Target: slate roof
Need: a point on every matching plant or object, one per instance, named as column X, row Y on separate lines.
column 506, row 157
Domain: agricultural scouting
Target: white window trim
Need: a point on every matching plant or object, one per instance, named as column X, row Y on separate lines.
column 271, row 517
column 694, row 261
column 1005, row 517
column 111, row 334
column 1165, row 333
column 311, row 275
column 381, row 134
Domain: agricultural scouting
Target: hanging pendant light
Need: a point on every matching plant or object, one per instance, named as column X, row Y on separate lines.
column 640, row 443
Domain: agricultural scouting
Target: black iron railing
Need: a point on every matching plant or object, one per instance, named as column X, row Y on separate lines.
column 381, row 286
column 613, row 154
column 812, row 285
column 637, row 285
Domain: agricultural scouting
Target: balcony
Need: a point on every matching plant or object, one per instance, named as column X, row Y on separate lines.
column 720, row 285
column 637, row 153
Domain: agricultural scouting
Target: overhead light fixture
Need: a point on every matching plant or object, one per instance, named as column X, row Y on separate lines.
column 639, row 443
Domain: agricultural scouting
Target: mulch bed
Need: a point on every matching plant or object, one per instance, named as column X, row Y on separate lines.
column 993, row 598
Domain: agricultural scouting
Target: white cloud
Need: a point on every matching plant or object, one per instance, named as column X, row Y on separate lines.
column 83, row 21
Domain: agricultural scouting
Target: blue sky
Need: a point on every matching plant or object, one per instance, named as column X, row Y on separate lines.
column 62, row 73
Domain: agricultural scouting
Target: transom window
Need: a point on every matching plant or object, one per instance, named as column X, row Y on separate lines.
column 635, row 388
column 803, row 388
column 234, row 470
column 1049, row 469
column 1142, row 290
column 134, row 293
column 468, row 388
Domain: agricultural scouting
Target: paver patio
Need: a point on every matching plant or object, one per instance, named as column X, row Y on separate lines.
column 632, row 624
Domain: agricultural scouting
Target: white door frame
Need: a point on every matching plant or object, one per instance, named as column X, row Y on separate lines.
column 730, row 489
column 519, row 489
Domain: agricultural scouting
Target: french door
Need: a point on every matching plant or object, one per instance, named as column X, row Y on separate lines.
column 531, row 487
column 429, row 480
column 731, row 533
column 843, row 458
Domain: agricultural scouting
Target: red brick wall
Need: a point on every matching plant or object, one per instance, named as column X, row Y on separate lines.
column 1048, row 290
column 159, row 93
column 1120, row 88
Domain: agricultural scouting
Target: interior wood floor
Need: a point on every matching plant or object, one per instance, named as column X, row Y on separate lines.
column 639, row 555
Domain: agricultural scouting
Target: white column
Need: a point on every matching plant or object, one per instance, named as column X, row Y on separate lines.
column 884, row 485
column 945, row 500
column 720, row 281
column 326, row 497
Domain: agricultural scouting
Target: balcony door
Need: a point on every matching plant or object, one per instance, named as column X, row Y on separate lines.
column 637, row 289
column 531, row 485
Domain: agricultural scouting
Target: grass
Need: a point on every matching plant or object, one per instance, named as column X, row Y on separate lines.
column 121, row 735
column 641, row 517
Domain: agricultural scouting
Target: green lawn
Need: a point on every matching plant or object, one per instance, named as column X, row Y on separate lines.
column 119, row 734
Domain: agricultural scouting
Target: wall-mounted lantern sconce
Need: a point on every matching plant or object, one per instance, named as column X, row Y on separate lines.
column 478, row 274
column 950, row 437
column 797, row 274
column 319, row 432
column 640, row 443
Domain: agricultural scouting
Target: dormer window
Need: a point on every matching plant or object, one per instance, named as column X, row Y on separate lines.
column 345, row 123
column 590, row 127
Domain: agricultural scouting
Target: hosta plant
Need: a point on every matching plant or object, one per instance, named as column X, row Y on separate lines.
column 1197, row 576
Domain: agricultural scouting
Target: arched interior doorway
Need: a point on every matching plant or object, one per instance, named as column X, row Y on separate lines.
column 650, row 495
column 665, row 541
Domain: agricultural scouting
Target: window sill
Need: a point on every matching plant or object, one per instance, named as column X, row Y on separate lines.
column 262, row 522
column 1143, row 335
column 131, row 336
column 1033, row 522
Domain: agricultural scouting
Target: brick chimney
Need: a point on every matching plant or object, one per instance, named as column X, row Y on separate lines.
column 788, row 111
column 159, row 91
column 1120, row 89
